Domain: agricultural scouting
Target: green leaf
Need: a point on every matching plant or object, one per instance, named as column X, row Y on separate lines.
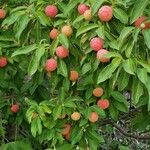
column 129, row 66
column 86, row 68
column 142, row 75
column 62, row 68
column 13, row 18
column 118, row 96
column 78, row 137
column 113, row 112
column 39, row 125
column 120, row 14
column 86, row 28
column 34, row 127
column 77, row 20
column 123, row 107
column 146, row 65
column 53, row 46
column 108, row 70
column 24, row 50
column 21, row 25
column 34, row 63
column 124, row 148
column 57, row 112
column 137, row 91
column 124, row 34
column 123, row 80
column 63, row 40
column 138, row 9
column 146, row 34
column 43, row 19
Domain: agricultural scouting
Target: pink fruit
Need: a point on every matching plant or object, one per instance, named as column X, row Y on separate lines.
column 82, row 8
column 3, row 62
column 50, row 65
column 140, row 21
column 96, row 43
column 54, row 33
column 62, row 52
column 14, row 108
column 87, row 15
column 2, row 13
column 105, row 13
column 51, row 11
column 101, row 57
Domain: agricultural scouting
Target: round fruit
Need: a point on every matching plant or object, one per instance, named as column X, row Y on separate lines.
column 14, row 108
column 2, row 13
column 67, row 30
column 93, row 117
column 62, row 52
column 51, row 11
column 82, row 8
column 67, row 136
column 103, row 103
column 139, row 21
column 105, row 13
column 97, row 92
column 87, row 15
column 54, row 33
column 3, row 62
column 101, row 57
column 62, row 116
column 96, row 43
column 74, row 75
column 76, row 116
column 51, row 65
column 66, row 129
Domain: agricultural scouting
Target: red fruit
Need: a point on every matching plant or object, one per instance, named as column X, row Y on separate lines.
column 105, row 13
column 50, row 65
column 67, row 30
column 87, row 15
column 97, row 92
column 66, row 129
column 142, row 23
column 3, row 62
column 82, row 8
column 51, row 11
column 54, row 33
column 62, row 52
column 2, row 13
column 67, row 136
column 96, row 43
column 93, row 117
column 74, row 75
column 14, row 108
column 103, row 103
column 101, row 57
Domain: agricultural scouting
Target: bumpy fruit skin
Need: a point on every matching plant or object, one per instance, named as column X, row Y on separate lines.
column 103, row 103
column 142, row 23
column 2, row 13
column 87, row 15
column 97, row 92
column 101, row 57
column 93, row 117
column 3, row 62
column 50, row 65
column 54, row 33
column 76, row 116
column 82, row 8
column 66, row 129
column 62, row 52
column 67, row 30
column 96, row 43
column 74, row 75
column 14, row 108
column 51, row 11
column 105, row 13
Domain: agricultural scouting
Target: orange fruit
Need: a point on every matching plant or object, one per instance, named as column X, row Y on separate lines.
column 103, row 103
column 66, row 129
column 67, row 30
column 74, row 75
column 87, row 15
column 97, row 92
column 93, row 117
column 76, row 116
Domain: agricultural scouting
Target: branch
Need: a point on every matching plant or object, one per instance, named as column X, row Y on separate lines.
column 131, row 135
